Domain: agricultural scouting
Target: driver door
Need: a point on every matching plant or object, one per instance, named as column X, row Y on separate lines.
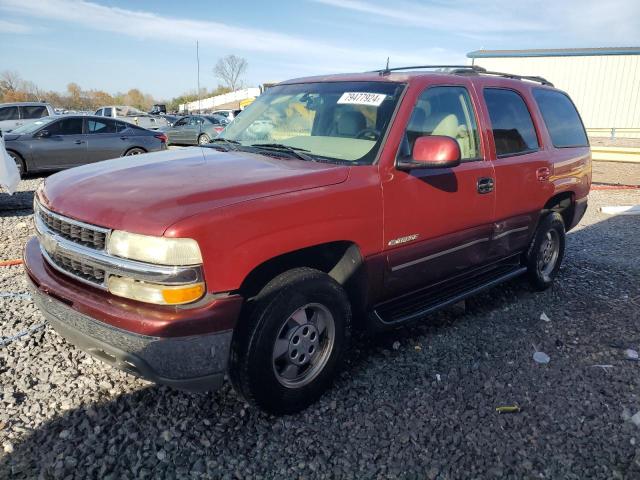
column 438, row 221
column 65, row 145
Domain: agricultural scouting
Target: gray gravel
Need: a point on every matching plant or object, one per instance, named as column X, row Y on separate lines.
column 416, row 403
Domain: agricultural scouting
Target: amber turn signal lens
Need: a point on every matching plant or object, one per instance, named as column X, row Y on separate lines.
column 176, row 296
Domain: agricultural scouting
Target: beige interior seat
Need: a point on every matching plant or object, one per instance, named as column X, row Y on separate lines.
column 450, row 126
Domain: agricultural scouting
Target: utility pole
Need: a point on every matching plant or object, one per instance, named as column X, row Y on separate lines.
column 198, row 60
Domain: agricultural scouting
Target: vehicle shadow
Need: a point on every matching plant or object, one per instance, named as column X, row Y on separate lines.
column 156, row 430
column 17, row 205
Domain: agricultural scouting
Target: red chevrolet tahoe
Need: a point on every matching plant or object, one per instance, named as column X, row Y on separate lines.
column 361, row 200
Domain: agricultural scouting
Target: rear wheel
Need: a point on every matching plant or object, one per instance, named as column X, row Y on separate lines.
column 203, row 139
column 289, row 346
column 19, row 162
column 135, row 151
column 546, row 252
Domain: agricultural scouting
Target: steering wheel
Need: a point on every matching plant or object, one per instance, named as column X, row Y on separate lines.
column 368, row 134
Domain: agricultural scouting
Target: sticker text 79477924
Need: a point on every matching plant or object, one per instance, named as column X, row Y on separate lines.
column 362, row 98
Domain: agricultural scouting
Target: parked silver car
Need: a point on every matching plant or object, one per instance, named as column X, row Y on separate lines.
column 54, row 143
column 13, row 115
column 132, row 115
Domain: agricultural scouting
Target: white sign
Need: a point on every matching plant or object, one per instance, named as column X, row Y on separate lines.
column 362, row 98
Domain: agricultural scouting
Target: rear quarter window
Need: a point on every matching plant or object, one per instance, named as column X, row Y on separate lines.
column 561, row 118
column 511, row 122
column 34, row 111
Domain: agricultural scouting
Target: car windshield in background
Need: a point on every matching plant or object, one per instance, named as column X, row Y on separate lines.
column 32, row 126
column 330, row 121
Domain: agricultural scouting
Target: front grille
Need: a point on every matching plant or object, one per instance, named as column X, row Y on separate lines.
column 78, row 268
column 80, row 234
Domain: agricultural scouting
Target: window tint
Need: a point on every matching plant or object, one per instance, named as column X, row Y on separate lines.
column 561, row 118
column 34, row 111
column 9, row 113
column 68, row 126
column 99, row 113
column 513, row 129
column 101, row 126
column 181, row 122
column 121, row 126
column 444, row 111
column 108, row 112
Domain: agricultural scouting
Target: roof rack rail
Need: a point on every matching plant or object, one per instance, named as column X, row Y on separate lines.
column 531, row 78
column 467, row 70
column 454, row 68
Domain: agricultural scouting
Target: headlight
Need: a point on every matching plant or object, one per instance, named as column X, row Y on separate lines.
column 156, row 250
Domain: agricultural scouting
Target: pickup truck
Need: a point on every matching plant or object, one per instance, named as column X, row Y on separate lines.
column 133, row 115
column 14, row 115
column 333, row 203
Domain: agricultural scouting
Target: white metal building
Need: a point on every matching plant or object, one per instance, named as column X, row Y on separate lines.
column 604, row 83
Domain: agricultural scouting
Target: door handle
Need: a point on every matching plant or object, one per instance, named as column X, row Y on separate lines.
column 124, row 138
column 79, row 142
column 485, row 185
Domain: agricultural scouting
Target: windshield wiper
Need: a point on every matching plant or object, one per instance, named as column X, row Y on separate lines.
column 231, row 144
column 295, row 151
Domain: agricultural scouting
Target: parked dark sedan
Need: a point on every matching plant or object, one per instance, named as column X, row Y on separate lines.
column 54, row 143
column 195, row 129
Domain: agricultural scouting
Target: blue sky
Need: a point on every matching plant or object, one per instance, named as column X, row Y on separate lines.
column 150, row 44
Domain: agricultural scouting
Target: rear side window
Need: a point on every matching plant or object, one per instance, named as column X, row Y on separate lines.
column 9, row 113
column 513, row 129
column 101, row 126
column 561, row 118
column 34, row 111
column 108, row 112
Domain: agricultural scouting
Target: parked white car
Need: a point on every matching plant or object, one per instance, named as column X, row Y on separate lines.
column 13, row 115
column 132, row 115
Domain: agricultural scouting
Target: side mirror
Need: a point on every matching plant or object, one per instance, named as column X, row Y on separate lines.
column 43, row 134
column 432, row 151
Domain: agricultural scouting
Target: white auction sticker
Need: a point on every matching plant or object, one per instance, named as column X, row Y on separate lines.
column 362, row 98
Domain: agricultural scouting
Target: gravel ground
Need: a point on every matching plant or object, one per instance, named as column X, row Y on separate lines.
column 415, row 403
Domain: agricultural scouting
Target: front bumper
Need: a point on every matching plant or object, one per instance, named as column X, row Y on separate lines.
column 179, row 347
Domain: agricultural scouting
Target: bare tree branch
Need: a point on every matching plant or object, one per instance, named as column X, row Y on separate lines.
column 230, row 70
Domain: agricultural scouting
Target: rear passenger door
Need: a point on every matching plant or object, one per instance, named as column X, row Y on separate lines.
column 521, row 167
column 103, row 139
column 438, row 221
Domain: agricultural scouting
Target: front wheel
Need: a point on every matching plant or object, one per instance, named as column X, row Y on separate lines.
column 546, row 252
column 18, row 161
column 203, row 139
column 288, row 348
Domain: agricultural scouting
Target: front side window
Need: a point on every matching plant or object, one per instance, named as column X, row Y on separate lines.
column 444, row 111
column 182, row 122
column 9, row 113
column 34, row 111
column 561, row 118
column 108, row 112
column 99, row 113
column 511, row 122
column 68, row 126
column 328, row 121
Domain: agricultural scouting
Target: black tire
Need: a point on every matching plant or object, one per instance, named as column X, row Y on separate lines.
column 134, row 151
column 545, row 254
column 253, row 367
column 203, row 139
column 19, row 162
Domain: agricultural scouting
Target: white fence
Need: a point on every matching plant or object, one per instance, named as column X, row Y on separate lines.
column 212, row 102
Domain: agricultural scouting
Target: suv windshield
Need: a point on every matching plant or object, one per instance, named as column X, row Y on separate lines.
column 330, row 121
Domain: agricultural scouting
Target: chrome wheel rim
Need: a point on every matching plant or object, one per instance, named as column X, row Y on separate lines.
column 303, row 345
column 135, row 151
column 548, row 254
column 203, row 140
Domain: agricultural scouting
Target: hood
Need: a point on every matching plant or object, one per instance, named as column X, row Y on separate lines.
column 10, row 136
column 148, row 193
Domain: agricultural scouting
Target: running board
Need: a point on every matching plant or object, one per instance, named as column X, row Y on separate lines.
column 418, row 305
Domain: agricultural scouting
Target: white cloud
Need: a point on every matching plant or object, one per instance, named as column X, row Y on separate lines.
column 13, row 27
column 145, row 25
column 590, row 22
